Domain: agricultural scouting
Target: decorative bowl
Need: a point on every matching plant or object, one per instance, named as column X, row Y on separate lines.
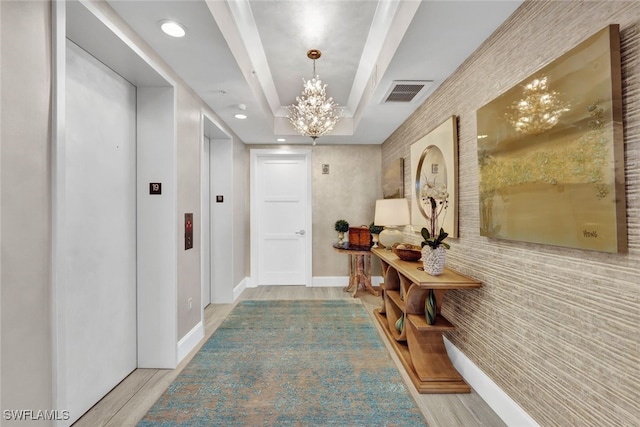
column 407, row 251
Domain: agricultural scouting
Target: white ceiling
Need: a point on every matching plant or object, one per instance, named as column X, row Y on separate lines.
column 254, row 53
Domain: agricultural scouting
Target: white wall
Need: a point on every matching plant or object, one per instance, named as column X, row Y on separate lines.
column 157, row 274
column 222, row 224
column 26, row 374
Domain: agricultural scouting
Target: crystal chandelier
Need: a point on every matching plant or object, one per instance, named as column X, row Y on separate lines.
column 314, row 114
column 539, row 109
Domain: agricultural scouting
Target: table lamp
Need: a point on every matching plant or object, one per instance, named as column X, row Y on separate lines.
column 391, row 213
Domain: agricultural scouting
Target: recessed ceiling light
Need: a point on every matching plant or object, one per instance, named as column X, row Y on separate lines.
column 240, row 116
column 281, row 139
column 173, row 29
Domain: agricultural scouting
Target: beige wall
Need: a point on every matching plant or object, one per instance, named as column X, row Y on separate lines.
column 556, row 328
column 25, row 204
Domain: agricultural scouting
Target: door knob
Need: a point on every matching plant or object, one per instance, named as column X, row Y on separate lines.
column 301, row 232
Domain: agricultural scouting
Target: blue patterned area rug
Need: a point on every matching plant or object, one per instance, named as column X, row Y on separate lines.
column 290, row 363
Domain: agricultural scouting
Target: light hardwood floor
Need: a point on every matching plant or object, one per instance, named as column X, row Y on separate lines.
column 127, row 403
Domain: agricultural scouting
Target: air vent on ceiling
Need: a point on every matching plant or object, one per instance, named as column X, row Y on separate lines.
column 406, row 90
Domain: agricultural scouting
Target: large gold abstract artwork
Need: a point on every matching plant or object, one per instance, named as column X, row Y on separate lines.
column 551, row 154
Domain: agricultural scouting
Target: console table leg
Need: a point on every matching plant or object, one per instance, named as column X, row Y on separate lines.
column 432, row 367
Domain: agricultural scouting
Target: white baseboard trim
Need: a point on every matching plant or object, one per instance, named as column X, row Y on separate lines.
column 506, row 408
column 329, row 281
column 338, row 281
column 190, row 341
column 237, row 290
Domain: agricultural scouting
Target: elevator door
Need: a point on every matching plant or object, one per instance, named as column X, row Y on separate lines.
column 100, row 232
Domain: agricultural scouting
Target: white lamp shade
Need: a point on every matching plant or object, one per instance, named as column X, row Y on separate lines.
column 392, row 212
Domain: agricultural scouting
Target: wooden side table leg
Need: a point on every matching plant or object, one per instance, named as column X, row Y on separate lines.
column 357, row 261
column 367, row 276
column 351, row 275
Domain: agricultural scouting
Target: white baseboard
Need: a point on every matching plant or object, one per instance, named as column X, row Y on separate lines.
column 237, row 290
column 329, row 281
column 339, row 281
column 316, row 282
column 506, row 408
column 190, row 341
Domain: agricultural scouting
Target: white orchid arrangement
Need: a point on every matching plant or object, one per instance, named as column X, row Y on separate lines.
column 434, row 199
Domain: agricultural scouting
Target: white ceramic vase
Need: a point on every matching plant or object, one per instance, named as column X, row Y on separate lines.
column 433, row 259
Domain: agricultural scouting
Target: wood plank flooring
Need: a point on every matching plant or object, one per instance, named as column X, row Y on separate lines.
column 127, row 403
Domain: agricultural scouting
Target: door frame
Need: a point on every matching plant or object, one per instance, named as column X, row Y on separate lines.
column 216, row 163
column 282, row 153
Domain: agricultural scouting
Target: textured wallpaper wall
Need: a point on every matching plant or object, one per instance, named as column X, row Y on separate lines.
column 348, row 192
column 555, row 328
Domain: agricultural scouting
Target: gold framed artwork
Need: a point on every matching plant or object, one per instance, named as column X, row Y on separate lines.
column 393, row 180
column 434, row 163
column 551, row 154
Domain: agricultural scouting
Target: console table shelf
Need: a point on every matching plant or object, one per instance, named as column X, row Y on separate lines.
column 419, row 346
column 395, row 296
column 420, row 323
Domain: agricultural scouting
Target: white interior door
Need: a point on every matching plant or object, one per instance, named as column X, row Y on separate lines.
column 100, row 230
column 282, row 199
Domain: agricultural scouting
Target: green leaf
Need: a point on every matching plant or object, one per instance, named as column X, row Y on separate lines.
column 342, row 225
column 425, row 234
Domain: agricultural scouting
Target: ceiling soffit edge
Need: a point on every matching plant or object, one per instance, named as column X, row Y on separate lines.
column 237, row 24
column 231, row 31
column 390, row 24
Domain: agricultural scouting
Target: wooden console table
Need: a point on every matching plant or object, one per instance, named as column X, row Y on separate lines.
column 359, row 269
column 419, row 346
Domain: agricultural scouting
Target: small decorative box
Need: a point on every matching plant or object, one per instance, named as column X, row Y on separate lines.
column 359, row 237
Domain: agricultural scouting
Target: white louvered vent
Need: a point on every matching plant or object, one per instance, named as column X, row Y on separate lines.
column 406, row 90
